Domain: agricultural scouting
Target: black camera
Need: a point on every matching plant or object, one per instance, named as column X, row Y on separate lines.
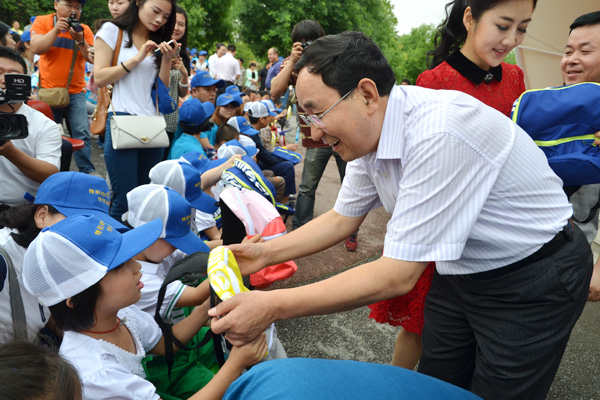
column 17, row 89
column 306, row 44
column 74, row 22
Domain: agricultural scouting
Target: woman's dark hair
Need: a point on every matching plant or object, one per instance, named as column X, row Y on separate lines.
column 225, row 133
column 4, row 29
column 184, row 41
column 129, row 19
column 12, row 54
column 30, row 371
column 592, row 18
column 81, row 316
column 194, row 130
column 343, row 60
column 451, row 33
column 21, row 47
column 22, row 219
column 308, row 29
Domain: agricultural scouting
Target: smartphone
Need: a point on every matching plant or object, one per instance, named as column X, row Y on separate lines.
column 170, row 43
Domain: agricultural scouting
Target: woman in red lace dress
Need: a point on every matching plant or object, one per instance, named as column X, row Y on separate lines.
column 471, row 44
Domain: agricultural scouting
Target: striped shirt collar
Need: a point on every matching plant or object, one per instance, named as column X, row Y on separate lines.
column 391, row 139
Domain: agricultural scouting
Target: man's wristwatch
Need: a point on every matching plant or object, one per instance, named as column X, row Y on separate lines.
column 80, row 44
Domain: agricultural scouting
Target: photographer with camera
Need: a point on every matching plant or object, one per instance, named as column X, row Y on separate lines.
column 30, row 151
column 55, row 37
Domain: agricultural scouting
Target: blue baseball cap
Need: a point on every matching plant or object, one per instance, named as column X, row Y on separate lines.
column 203, row 78
column 227, row 98
column 184, row 179
column 26, row 36
column 242, row 125
column 234, row 147
column 194, row 51
column 148, row 202
column 232, row 89
column 194, row 113
column 72, row 255
column 203, row 53
column 75, row 193
column 199, row 161
column 271, row 106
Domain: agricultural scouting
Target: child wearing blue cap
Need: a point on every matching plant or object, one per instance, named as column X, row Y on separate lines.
column 147, row 203
column 194, row 121
column 185, row 180
column 84, row 270
column 61, row 195
column 228, row 106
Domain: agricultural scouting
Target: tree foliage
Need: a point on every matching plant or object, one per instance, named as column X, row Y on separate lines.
column 268, row 23
column 410, row 54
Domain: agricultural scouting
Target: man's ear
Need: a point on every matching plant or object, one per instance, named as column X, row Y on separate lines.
column 40, row 216
column 69, row 302
column 367, row 89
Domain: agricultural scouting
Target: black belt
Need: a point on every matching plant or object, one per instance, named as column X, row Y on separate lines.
column 563, row 237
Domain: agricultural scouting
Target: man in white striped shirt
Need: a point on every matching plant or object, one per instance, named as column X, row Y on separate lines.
column 466, row 188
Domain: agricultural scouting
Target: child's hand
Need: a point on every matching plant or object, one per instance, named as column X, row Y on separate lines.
column 292, row 147
column 250, row 353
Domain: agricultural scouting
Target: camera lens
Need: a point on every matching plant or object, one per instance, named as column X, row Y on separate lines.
column 5, row 126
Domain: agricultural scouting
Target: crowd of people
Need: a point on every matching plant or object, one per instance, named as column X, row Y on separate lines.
column 482, row 264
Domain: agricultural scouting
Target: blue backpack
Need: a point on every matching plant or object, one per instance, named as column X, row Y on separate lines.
column 562, row 122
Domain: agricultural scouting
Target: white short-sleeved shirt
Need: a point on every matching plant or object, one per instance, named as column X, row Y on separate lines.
column 204, row 221
column 153, row 276
column 212, row 65
column 228, row 68
column 43, row 143
column 132, row 93
column 107, row 371
column 465, row 186
column 35, row 314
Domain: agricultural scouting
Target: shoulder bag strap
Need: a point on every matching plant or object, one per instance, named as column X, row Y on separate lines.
column 115, row 58
column 16, row 301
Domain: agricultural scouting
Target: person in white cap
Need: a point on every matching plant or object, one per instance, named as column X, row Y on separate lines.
column 147, row 203
column 83, row 270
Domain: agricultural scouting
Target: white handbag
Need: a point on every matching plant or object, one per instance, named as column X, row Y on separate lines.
column 138, row 131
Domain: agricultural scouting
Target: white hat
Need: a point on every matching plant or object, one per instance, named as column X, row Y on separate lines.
column 148, row 202
column 259, row 110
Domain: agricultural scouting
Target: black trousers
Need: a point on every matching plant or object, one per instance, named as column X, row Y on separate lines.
column 504, row 338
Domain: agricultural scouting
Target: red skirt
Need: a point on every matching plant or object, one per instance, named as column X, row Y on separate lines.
column 407, row 310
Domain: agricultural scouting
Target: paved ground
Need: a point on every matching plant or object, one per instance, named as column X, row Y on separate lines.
column 351, row 335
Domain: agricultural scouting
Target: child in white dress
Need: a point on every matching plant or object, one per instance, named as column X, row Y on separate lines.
column 83, row 270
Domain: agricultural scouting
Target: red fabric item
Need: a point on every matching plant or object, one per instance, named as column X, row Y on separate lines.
column 406, row 311
column 498, row 95
column 266, row 276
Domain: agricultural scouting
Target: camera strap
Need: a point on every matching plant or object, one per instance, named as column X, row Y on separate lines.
column 72, row 69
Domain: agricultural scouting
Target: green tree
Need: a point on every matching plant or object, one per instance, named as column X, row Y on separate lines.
column 209, row 22
column 268, row 23
column 409, row 58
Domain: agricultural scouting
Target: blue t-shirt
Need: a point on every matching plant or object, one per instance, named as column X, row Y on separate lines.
column 185, row 144
column 211, row 134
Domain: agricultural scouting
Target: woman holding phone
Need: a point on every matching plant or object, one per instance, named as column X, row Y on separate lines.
column 147, row 26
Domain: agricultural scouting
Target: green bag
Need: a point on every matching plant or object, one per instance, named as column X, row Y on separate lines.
column 191, row 371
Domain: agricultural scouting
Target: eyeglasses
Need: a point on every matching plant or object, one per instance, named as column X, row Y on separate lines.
column 71, row 6
column 316, row 121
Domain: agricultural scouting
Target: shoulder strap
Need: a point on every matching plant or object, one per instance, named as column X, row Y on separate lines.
column 117, row 48
column 16, row 301
column 192, row 267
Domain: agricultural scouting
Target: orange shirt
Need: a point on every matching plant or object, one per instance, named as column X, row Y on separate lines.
column 54, row 64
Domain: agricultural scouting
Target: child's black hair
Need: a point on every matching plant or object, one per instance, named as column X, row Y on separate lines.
column 253, row 120
column 82, row 315
column 225, row 133
column 22, row 219
column 195, row 130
